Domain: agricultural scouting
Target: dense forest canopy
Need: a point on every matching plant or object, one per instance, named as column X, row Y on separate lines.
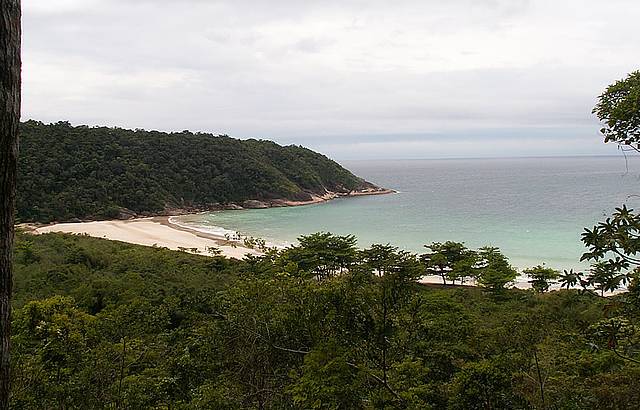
column 319, row 325
column 70, row 172
column 103, row 324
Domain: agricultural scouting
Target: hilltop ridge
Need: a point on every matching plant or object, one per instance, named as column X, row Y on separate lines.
column 78, row 172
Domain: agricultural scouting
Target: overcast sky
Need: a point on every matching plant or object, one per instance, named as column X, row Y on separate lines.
column 353, row 79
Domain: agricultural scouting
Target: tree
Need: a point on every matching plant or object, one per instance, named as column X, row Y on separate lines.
column 496, row 272
column 619, row 109
column 613, row 245
column 602, row 278
column 327, row 381
column 444, row 257
column 615, row 242
column 9, row 121
column 483, row 385
column 465, row 268
column 323, row 254
column 619, row 335
column 436, row 264
column 633, row 294
column 380, row 259
column 396, row 271
column 541, row 277
column 52, row 336
column 569, row 279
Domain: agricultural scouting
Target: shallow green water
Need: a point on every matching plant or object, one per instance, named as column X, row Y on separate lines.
column 534, row 209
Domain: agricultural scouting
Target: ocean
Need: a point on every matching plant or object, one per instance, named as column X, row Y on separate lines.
column 533, row 209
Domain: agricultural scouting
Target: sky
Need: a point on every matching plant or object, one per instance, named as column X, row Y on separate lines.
column 352, row 79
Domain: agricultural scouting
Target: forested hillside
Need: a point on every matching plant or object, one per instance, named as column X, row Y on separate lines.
column 101, row 324
column 68, row 172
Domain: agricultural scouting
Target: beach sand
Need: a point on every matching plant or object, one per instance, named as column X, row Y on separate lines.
column 159, row 231
column 156, row 231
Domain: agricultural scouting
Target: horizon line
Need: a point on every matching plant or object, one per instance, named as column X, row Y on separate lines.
column 492, row 157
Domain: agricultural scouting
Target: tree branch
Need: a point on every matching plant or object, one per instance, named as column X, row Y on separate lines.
column 378, row 379
column 355, row 366
column 624, row 357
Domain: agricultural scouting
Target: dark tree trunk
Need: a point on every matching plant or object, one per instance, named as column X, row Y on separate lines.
column 9, row 122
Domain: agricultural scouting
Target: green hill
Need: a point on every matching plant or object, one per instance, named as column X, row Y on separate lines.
column 68, row 172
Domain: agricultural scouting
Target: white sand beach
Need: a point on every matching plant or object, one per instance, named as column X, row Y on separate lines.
column 157, row 231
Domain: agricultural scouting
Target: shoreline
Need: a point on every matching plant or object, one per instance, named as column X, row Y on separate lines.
column 155, row 231
column 316, row 199
column 126, row 214
column 159, row 230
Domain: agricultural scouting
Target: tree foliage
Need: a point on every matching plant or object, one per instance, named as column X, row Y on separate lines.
column 322, row 254
column 495, row 272
column 541, row 277
column 109, row 324
column 614, row 244
column 450, row 260
column 619, row 110
column 68, row 172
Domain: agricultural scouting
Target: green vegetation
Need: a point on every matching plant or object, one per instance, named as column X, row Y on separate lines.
column 454, row 261
column 322, row 324
column 619, row 109
column 613, row 245
column 541, row 277
column 70, row 172
column 102, row 324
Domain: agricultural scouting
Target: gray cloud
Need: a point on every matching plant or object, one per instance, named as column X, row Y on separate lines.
column 353, row 78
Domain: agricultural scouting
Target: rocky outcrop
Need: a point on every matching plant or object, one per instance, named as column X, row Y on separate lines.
column 255, row 204
column 307, row 199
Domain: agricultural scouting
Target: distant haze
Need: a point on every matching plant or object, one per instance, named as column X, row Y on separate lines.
column 353, row 79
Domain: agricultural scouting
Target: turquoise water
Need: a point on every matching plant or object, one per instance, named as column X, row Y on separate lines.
column 534, row 209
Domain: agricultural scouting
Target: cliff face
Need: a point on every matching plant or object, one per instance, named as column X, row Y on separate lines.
column 80, row 172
